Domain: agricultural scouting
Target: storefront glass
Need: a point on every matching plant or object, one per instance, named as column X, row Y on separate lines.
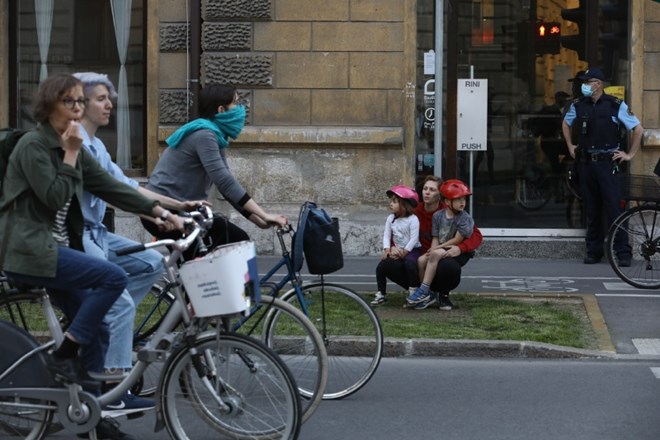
column 520, row 180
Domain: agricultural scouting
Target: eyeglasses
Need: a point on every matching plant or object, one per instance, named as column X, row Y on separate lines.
column 69, row 103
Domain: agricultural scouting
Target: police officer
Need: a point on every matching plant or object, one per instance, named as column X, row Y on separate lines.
column 597, row 151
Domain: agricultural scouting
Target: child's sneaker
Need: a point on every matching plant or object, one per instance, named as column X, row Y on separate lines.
column 418, row 296
column 379, row 299
column 432, row 299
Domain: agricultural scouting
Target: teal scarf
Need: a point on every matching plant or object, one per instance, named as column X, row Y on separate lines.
column 225, row 125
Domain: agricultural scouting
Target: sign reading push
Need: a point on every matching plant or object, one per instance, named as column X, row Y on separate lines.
column 472, row 110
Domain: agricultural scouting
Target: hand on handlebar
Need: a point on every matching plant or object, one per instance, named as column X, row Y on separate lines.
column 174, row 222
column 192, row 205
column 276, row 220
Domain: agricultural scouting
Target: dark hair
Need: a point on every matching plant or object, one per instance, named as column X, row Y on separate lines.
column 407, row 206
column 213, row 96
column 51, row 90
column 432, row 178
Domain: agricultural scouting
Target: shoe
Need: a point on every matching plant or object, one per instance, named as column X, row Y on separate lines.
column 70, row 370
column 108, row 429
column 444, row 303
column 592, row 259
column 128, row 404
column 379, row 299
column 418, row 296
column 432, row 299
column 624, row 261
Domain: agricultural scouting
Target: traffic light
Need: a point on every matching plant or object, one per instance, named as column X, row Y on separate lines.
column 580, row 16
column 547, row 37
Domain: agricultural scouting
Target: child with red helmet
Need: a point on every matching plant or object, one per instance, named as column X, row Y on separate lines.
column 451, row 226
column 401, row 237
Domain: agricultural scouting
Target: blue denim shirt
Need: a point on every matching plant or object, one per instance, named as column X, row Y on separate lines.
column 93, row 208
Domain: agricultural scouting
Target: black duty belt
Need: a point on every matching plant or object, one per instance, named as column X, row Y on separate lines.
column 586, row 156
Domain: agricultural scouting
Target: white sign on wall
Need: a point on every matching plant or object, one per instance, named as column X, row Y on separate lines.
column 472, row 111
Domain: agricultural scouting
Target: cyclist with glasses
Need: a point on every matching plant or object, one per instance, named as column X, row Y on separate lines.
column 41, row 228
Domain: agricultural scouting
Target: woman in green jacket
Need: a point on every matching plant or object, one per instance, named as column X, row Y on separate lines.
column 41, row 224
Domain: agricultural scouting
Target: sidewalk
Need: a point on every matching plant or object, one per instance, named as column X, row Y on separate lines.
column 609, row 303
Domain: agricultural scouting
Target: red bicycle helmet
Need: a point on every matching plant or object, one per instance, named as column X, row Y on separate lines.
column 453, row 189
column 405, row 193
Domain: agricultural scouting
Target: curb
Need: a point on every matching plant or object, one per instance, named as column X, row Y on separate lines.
column 396, row 347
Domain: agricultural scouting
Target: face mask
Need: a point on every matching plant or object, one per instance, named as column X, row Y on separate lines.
column 232, row 121
column 586, row 90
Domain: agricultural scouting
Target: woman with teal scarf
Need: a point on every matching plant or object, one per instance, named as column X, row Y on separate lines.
column 196, row 159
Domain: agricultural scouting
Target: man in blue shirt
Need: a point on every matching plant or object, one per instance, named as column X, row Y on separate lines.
column 598, row 154
column 143, row 268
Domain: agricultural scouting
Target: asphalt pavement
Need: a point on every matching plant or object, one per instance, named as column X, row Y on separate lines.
column 625, row 318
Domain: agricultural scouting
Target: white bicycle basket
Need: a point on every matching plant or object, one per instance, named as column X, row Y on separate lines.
column 224, row 282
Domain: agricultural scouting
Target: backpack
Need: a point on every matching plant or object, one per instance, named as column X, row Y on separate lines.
column 317, row 236
column 9, row 137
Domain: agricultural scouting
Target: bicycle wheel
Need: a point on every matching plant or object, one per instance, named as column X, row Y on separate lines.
column 640, row 227
column 532, row 194
column 151, row 311
column 24, row 309
column 22, row 417
column 260, row 394
column 350, row 330
column 294, row 338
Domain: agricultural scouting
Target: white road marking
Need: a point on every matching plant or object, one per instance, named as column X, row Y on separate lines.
column 647, row 346
column 620, row 286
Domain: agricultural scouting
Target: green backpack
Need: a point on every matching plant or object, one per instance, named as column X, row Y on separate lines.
column 8, row 139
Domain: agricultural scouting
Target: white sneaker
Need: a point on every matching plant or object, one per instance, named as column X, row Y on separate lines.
column 379, row 299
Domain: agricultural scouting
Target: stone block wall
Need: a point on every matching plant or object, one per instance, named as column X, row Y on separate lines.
column 645, row 81
column 324, row 83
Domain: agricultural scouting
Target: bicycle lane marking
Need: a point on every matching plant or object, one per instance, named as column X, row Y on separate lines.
column 531, row 285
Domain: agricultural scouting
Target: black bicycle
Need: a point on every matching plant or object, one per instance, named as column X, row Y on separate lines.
column 638, row 226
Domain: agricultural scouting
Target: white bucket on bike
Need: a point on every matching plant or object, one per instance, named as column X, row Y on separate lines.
column 224, row 282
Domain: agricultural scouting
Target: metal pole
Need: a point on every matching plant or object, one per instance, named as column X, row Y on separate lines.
column 471, row 170
column 439, row 57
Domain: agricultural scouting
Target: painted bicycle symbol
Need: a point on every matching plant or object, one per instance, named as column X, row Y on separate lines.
column 536, row 285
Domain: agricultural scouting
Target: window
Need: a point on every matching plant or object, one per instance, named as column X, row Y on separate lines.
column 54, row 36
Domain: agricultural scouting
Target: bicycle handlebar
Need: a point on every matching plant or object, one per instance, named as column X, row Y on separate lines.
column 181, row 244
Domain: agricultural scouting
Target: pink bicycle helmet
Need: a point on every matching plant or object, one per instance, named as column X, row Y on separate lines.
column 405, row 193
column 453, row 189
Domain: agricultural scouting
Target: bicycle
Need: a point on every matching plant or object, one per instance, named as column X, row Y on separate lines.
column 638, row 226
column 351, row 331
column 294, row 338
column 235, row 384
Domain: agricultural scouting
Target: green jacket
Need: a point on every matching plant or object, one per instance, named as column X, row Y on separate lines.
column 36, row 185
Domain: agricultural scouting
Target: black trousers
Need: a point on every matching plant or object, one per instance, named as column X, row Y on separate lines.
column 447, row 276
column 601, row 195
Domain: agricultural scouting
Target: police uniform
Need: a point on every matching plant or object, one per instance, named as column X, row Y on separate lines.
column 598, row 137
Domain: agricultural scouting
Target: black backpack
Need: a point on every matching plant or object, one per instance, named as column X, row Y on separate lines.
column 9, row 137
column 317, row 236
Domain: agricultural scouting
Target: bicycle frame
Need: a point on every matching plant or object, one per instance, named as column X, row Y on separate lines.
column 70, row 399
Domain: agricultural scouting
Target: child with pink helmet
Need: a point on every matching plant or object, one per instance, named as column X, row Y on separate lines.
column 400, row 238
